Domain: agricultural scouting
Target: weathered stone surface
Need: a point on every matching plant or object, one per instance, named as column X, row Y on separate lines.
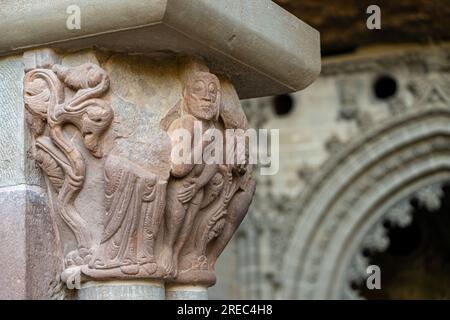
column 31, row 258
column 102, row 125
column 125, row 208
column 236, row 38
column 44, row 251
column 13, row 244
column 14, row 166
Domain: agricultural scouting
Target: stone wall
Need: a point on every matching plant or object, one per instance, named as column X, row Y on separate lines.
column 27, row 240
column 354, row 95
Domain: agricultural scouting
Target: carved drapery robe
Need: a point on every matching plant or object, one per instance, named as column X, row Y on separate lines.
column 134, row 199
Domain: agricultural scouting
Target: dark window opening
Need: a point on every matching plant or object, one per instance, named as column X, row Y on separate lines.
column 385, row 87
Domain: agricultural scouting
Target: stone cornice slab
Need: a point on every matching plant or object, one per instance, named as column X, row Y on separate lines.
column 262, row 48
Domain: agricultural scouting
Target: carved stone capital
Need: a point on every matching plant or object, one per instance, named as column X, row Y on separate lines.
column 101, row 98
column 124, row 208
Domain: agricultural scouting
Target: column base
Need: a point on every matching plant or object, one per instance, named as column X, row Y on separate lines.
column 122, row 290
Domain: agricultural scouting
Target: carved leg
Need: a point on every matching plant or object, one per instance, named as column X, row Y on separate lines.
column 175, row 213
column 150, row 223
column 153, row 221
column 145, row 239
column 236, row 212
column 186, row 228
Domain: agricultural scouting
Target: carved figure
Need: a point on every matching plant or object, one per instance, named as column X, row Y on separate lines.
column 201, row 102
column 205, row 202
column 134, row 206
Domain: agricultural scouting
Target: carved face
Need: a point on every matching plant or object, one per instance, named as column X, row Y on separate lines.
column 202, row 95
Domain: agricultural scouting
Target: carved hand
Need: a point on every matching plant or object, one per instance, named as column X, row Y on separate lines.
column 187, row 192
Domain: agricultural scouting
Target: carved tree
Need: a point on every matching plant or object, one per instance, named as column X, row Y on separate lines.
column 48, row 111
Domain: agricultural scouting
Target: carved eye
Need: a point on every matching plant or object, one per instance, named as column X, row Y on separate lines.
column 212, row 91
column 198, row 87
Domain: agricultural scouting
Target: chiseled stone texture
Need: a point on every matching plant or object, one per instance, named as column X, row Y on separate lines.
column 14, row 167
column 29, row 254
column 102, row 126
column 12, row 244
column 141, row 91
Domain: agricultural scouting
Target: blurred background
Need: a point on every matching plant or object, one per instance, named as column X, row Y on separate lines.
column 364, row 173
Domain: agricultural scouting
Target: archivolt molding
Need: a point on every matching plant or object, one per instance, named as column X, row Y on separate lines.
column 416, row 57
column 262, row 242
column 342, row 204
column 402, row 155
column 377, row 240
column 411, row 135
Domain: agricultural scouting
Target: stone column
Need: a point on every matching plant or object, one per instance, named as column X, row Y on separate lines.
column 96, row 203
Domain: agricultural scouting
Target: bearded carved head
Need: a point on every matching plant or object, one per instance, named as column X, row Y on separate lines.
column 202, row 96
